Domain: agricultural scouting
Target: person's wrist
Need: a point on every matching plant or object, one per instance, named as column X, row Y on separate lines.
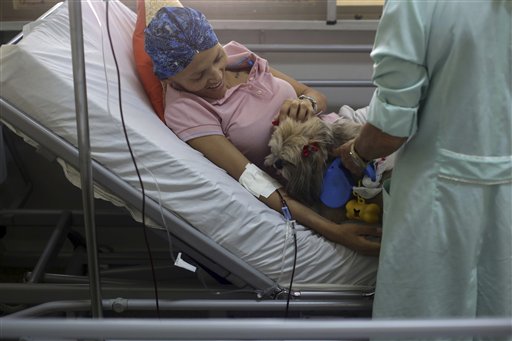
column 356, row 157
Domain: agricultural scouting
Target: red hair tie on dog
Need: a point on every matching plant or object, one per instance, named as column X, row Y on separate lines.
column 309, row 148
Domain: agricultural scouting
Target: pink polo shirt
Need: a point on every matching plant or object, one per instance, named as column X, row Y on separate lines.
column 244, row 116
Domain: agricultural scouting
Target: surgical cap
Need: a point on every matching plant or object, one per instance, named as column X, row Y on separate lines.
column 174, row 36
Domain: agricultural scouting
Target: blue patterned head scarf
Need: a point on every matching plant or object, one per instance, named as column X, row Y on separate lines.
column 174, row 36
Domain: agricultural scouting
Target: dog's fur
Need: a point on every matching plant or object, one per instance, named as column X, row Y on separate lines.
column 304, row 174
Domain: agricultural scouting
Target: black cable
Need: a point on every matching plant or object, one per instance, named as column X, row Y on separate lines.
column 135, row 165
column 288, row 216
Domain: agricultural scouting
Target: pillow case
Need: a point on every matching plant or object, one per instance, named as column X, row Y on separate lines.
column 146, row 10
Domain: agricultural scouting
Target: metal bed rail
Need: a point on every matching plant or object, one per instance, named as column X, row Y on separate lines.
column 209, row 303
column 84, row 152
column 251, row 329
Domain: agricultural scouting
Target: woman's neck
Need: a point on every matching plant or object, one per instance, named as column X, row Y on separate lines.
column 236, row 77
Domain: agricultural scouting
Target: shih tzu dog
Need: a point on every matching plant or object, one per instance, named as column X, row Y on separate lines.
column 300, row 152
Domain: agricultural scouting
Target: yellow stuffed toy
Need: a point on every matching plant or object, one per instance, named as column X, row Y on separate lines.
column 358, row 209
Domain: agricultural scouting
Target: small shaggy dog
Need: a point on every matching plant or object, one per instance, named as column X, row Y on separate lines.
column 300, row 153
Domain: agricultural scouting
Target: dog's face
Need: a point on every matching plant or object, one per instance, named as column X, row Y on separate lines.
column 300, row 153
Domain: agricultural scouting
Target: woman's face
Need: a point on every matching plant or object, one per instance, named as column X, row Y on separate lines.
column 204, row 76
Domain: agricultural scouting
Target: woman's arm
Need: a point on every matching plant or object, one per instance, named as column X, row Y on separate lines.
column 224, row 154
column 300, row 110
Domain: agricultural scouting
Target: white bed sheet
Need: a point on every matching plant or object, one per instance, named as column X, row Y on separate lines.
column 36, row 77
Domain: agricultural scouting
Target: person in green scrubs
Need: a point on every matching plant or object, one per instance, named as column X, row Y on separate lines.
column 443, row 72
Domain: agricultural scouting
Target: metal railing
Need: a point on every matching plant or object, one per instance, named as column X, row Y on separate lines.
column 251, row 329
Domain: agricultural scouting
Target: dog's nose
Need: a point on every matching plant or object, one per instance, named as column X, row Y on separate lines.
column 278, row 164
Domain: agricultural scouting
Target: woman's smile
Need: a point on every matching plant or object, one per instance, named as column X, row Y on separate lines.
column 216, row 85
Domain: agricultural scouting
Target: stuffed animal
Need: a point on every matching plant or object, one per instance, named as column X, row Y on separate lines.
column 358, row 209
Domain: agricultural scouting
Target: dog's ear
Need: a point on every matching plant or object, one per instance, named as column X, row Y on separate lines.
column 306, row 181
column 320, row 134
column 280, row 133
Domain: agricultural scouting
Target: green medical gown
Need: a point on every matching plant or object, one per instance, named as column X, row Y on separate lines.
column 443, row 76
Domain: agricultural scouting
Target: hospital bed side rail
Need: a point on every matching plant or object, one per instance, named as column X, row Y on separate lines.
column 252, row 329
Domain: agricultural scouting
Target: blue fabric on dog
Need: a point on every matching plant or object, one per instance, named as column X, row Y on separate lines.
column 337, row 185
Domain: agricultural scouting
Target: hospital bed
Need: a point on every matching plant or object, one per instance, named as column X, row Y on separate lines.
column 209, row 219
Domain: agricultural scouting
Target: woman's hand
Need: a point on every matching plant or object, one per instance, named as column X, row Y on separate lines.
column 360, row 238
column 356, row 236
column 298, row 109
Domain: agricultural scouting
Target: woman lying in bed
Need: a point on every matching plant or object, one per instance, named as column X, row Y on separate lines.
column 222, row 101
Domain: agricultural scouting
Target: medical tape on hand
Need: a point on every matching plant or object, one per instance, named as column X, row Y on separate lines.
column 258, row 182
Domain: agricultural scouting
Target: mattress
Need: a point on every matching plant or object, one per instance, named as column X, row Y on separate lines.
column 36, row 77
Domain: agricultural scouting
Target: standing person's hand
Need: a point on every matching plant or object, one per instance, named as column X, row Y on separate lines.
column 348, row 159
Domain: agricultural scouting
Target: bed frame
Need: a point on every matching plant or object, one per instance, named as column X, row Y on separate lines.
column 234, row 286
